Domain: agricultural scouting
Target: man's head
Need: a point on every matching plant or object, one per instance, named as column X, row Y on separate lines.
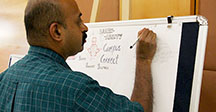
column 55, row 24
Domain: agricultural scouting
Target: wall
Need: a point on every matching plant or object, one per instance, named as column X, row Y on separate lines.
column 207, row 9
column 12, row 31
column 160, row 8
column 208, row 98
column 108, row 10
column 85, row 8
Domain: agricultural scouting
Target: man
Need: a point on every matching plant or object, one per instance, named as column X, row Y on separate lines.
column 42, row 80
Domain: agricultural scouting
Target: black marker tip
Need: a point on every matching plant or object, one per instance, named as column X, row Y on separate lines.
column 131, row 47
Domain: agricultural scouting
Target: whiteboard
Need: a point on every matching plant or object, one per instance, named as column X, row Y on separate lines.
column 108, row 59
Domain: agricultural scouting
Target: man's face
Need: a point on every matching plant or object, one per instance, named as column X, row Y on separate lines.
column 75, row 31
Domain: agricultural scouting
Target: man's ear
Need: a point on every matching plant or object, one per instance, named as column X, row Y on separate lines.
column 55, row 31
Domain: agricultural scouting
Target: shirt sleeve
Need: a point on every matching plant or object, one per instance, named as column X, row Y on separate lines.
column 94, row 98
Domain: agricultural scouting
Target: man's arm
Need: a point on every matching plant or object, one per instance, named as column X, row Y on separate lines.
column 146, row 48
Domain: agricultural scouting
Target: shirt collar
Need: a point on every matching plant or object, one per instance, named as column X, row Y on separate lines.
column 36, row 50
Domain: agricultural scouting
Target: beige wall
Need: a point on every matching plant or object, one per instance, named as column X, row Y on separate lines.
column 207, row 8
column 160, row 8
column 208, row 94
column 12, row 34
column 108, row 10
column 85, row 8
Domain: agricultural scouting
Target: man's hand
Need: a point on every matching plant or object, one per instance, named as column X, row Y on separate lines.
column 147, row 44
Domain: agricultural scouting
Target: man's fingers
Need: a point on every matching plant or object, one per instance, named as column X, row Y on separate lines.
column 154, row 38
column 140, row 32
column 144, row 33
column 149, row 36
